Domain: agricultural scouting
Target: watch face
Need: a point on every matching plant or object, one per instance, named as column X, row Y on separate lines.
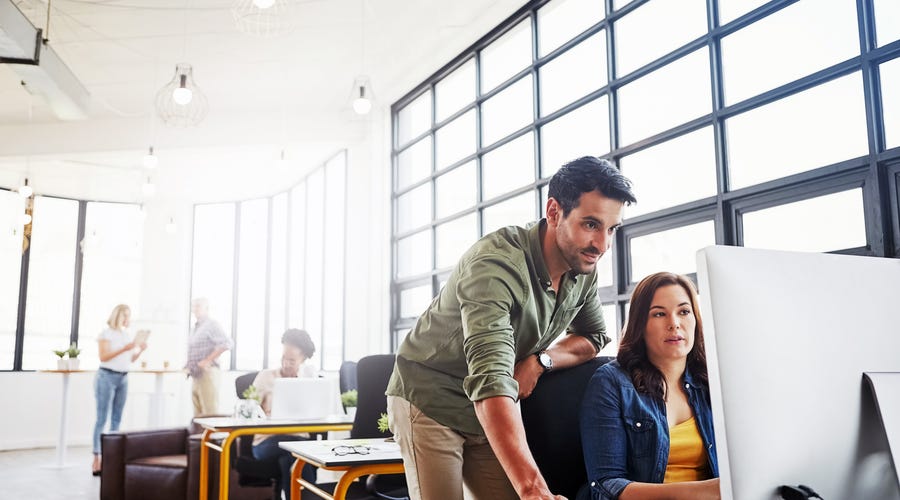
column 545, row 361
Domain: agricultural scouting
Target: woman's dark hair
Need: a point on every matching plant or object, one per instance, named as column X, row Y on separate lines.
column 586, row 174
column 301, row 340
column 632, row 355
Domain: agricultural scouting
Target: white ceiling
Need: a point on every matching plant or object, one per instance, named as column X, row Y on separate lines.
column 265, row 94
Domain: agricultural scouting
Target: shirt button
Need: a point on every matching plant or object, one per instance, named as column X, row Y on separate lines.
column 593, row 483
column 638, row 424
column 687, row 386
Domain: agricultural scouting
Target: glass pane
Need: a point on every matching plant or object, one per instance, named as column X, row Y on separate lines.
column 456, row 140
column 674, row 172
column 574, row 74
column 887, row 21
column 823, row 125
column 414, row 208
column 455, row 91
column 213, row 263
column 251, row 284
column 605, row 271
column 610, row 315
column 414, row 301
column 730, row 10
column 414, row 163
column 508, row 167
column 656, row 18
column 414, row 254
column 670, row 96
column 414, row 119
column 278, row 253
column 112, row 252
column 785, row 46
column 582, row 132
column 506, row 56
column 315, row 270
column 832, row 222
column 890, row 92
column 673, row 250
column 561, row 20
column 517, row 211
column 454, row 238
column 508, row 111
column 297, row 258
column 51, row 280
column 12, row 207
column 334, row 262
column 455, row 190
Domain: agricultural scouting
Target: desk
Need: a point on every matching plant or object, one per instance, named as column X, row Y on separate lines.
column 157, row 397
column 63, row 416
column 236, row 427
column 384, row 458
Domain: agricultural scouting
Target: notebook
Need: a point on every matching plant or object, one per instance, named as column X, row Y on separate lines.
column 305, row 398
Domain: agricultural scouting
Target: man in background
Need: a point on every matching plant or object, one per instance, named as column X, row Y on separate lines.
column 205, row 344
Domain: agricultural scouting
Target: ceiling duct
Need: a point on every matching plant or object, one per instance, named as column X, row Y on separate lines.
column 42, row 71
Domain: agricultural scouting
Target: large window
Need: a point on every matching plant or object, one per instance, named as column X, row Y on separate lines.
column 741, row 124
column 274, row 263
column 62, row 274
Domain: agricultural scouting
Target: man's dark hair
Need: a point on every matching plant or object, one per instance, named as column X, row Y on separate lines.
column 299, row 339
column 586, row 174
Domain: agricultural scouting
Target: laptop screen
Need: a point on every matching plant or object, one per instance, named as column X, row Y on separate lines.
column 305, row 398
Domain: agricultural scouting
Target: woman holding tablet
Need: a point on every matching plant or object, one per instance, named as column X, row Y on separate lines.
column 646, row 422
column 117, row 351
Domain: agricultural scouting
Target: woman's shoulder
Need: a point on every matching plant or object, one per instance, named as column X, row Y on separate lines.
column 612, row 372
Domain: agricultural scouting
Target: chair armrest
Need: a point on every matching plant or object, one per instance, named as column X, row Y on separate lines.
column 112, row 476
column 156, row 442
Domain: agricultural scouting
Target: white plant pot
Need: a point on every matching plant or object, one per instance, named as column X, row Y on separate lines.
column 73, row 363
column 351, row 411
column 62, row 364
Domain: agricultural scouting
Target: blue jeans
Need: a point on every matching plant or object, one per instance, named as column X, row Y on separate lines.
column 111, row 390
column 269, row 449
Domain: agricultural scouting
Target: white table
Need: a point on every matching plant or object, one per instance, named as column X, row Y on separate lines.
column 63, row 418
column 157, row 397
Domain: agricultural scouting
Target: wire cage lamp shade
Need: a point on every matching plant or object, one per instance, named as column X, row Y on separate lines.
column 180, row 102
column 264, row 18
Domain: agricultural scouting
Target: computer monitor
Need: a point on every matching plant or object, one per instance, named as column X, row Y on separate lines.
column 788, row 338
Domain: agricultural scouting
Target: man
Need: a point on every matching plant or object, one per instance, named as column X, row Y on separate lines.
column 485, row 340
column 205, row 344
column 297, row 348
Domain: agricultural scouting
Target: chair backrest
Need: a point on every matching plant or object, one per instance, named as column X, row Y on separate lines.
column 243, row 382
column 373, row 373
column 550, row 416
column 347, row 376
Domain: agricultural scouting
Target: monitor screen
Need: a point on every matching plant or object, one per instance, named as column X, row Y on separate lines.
column 788, row 338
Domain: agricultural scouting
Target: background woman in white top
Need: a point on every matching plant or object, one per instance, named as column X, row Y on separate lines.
column 117, row 352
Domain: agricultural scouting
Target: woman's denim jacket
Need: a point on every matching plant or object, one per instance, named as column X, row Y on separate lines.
column 625, row 435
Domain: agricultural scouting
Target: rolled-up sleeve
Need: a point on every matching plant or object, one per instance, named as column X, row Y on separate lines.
column 603, row 436
column 218, row 338
column 589, row 322
column 486, row 293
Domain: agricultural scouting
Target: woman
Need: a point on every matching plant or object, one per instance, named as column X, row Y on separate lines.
column 117, row 352
column 646, row 422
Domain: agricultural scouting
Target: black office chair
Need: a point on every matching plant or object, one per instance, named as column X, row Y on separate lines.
column 252, row 472
column 347, row 378
column 550, row 416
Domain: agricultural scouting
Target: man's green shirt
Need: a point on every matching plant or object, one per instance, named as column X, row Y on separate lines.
column 497, row 308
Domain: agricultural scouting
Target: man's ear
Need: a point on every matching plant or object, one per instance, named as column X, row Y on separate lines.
column 554, row 211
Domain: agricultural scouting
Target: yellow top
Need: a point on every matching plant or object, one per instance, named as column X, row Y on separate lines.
column 687, row 457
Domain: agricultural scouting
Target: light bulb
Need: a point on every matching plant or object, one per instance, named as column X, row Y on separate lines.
column 149, row 189
column 362, row 105
column 150, row 159
column 182, row 96
column 263, row 4
column 26, row 191
column 25, row 219
column 170, row 226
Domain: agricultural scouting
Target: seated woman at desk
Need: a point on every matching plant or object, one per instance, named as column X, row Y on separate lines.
column 117, row 352
column 297, row 348
column 646, row 422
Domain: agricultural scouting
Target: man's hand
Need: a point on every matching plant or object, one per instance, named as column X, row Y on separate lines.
column 527, row 372
column 203, row 364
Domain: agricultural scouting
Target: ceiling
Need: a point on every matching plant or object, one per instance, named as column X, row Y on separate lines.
column 290, row 92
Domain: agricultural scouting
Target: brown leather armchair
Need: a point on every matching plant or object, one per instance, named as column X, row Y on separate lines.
column 161, row 463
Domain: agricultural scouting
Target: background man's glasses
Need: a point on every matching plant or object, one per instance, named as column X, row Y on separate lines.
column 351, row 450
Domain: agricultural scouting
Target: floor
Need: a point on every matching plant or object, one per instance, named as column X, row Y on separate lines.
column 25, row 474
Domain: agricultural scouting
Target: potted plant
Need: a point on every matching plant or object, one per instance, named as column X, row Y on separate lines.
column 249, row 407
column 62, row 363
column 73, row 353
column 349, row 399
column 383, row 425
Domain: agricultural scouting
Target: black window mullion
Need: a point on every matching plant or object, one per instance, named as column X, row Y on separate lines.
column 235, row 282
column 79, row 270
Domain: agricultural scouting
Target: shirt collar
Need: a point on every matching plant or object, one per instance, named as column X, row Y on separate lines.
column 537, row 250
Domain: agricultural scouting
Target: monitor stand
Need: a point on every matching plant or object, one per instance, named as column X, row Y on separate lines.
column 885, row 388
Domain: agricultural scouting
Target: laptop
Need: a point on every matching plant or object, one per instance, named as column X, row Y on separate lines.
column 305, row 398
